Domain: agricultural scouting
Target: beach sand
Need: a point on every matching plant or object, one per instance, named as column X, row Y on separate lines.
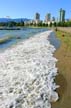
column 63, row 54
column 65, row 29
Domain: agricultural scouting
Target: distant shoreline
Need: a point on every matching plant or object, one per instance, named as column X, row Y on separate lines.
column 10, row 28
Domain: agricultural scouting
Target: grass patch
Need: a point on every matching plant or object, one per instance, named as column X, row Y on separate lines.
column 65, row 38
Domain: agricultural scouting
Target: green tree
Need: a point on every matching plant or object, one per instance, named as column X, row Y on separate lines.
column 11, row 24
column 3, row 24
column 50, row 24
column 22, row 23
column 54, row 24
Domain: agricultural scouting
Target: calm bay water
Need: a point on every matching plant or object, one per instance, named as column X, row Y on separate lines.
column 21, row 34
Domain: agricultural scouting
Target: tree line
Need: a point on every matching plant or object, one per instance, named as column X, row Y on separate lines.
column 41, row 24
column 55, row 24
column 11, row 24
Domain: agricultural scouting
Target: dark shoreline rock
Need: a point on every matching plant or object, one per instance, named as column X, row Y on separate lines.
column 10, row 28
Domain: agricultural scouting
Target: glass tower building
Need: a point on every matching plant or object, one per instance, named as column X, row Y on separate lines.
column 62, row 15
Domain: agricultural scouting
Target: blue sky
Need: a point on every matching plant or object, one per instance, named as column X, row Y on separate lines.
column 27, row 8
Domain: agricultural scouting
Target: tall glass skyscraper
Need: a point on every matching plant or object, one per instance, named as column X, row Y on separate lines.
column 62, row 15
column 37, row 16
column 48, row 17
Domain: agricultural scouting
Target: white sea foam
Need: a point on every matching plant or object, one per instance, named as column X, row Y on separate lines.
column 27, row 73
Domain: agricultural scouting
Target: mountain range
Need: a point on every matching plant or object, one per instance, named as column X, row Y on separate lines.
column 15, row 20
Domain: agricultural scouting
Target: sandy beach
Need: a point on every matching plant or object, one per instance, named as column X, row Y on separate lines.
column 65, row 29
column 63, row 54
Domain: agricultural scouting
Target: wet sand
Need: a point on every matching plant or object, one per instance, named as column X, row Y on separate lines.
column 63, row 54
column 54, row 40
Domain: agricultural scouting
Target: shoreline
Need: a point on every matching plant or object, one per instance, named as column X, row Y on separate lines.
column 54, row 41
column 63, row 54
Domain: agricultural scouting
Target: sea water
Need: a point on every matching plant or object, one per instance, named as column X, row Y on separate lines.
column 27, row 73
column 18, row 35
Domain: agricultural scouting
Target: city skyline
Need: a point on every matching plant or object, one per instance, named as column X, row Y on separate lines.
column 27, row 9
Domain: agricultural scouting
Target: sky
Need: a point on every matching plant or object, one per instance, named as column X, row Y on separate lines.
column 28, row 8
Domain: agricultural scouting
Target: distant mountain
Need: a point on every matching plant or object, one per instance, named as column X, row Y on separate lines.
column 16, row 20
column 5, row 19
column 20, row 19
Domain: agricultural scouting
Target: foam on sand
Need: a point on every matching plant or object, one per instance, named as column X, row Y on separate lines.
column 27, row 74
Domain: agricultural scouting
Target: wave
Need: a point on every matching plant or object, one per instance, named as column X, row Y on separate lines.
column 27, row 73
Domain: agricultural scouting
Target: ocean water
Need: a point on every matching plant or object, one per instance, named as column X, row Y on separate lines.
column 27, row 73
column 24, row 33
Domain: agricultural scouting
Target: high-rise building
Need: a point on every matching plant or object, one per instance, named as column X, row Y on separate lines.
column 48, row 17
column 53, row 18
column 37, row 17
column 62, row 15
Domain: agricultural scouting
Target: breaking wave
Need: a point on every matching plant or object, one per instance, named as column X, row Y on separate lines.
column 27, row 73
